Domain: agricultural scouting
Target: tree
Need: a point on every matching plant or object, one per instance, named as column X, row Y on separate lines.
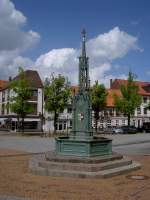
column 57, row 93
column 20, row 100
column 99, row 95
column 130, row 99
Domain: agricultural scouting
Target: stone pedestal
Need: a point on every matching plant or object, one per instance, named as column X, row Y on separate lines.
column 83, row 147
column 81, row 167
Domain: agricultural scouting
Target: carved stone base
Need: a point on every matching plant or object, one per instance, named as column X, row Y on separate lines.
column 83, row 147
column 107, row 166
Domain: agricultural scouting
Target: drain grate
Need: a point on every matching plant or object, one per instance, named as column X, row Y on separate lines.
column 137, row 177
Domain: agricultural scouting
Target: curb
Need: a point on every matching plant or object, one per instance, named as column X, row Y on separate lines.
column 20, row 154
column 130, row 143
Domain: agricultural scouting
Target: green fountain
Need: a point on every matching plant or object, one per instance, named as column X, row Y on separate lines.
column 82, row 142
column 81, row 154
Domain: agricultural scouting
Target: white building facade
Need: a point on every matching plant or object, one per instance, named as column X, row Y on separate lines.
column 109, row 118
column 33, row 121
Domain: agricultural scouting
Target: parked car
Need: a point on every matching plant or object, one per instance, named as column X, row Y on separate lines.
column 117, row 130
column 129, row 129
column 146, row 127
column 108, row 130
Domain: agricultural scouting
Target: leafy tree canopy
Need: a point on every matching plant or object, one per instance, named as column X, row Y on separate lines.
column 99, row 95
column 21, row 95
column 130, row 98
column 57, row 94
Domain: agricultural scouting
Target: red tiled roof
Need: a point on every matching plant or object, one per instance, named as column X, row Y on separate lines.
column 144, row 90
column 33, row 78
column 110, row 96
column 74, row 89
column 109, row 99
column 144, row 87
column 3, row 84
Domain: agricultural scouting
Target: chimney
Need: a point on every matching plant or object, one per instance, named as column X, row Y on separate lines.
column 111, row 82
column 10, row 78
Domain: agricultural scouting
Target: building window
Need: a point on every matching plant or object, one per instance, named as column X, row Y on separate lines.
column 7, row 106
column 70, row 123
column 60, row 126
column 145, row 111
column 8, row 95
column 145, row 99
column 117, row 122
column 138, row 110
column 3, row 96
column 3, row 108
column 69, row 110
column 123, row 122
column 110, row 112
column 65, row 126
column 35, row 93
column 108, row 123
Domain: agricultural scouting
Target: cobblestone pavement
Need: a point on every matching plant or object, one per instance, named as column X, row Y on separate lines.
column 16, row 181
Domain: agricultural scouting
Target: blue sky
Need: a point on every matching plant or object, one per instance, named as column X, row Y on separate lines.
column 118, row 31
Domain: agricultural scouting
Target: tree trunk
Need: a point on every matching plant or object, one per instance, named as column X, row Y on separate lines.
column 96, row 120
column 18, row 124
column 22, row 125
column 55, row 121
column 96, row 125
column 128, row 119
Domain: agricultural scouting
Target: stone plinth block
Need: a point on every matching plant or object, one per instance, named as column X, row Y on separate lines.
column 83, row 147
column 106, row 166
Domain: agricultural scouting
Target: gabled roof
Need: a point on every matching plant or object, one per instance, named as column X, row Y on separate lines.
column 110, row 96
column 144, row 90
column 3, row 84
column 144, row 87
column 33, row 78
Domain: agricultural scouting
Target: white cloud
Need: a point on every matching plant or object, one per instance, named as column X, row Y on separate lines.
column 58, row 58
column 112, row 45
column 9, row 63
column 102, row 50
column 60, row 61
column 97, row 73
column 12, row 37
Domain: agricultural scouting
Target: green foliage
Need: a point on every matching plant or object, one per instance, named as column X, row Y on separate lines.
column 130, row 98
column 99, row 95
column 21, row 95
column 148, row 106
column 57, row 92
